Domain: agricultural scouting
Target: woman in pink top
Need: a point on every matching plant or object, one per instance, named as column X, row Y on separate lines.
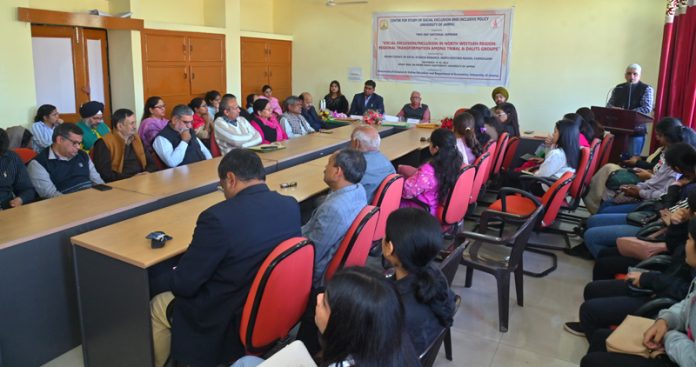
column 275, row 105
column 266, row 124
column 432, row 182
column 153, row 121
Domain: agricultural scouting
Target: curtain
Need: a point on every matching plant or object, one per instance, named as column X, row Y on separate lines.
column 676, row 86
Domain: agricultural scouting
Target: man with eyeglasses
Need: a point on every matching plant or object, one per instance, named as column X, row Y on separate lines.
column 636, row 96
column 177, row 144
column 92, row 124
column 63, row 168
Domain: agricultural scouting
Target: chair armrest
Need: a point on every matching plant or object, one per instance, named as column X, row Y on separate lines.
column 505, row 191
column 482, row 237
column 421, row 204
column 652, row 307
column 656, row 262
column 545, row 180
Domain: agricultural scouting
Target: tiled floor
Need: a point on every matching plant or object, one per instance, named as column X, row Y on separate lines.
column 535, row 336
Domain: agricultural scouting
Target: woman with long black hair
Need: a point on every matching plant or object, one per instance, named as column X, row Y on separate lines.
column 430, row 184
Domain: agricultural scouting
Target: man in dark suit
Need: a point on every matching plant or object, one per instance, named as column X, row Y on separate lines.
column 212, row 280
column 367, row 100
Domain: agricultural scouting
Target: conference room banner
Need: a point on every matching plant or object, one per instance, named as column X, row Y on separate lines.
column 458, row 46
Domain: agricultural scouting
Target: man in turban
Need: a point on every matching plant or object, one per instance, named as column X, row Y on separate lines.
column 92, row 124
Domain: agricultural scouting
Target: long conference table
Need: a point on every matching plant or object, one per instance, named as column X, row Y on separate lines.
column 39, row 309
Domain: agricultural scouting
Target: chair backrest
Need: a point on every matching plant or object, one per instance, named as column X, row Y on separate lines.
column 482, row 163
column 25, row 154
column 509, row 155
column 387, row 199
column 580, row 173
column 490, row 147
column 605, row 149
column 450, row 264
column 214, row 148
column 429, row 355
column 554, row 198
column 278, row 296
column 456, row 204
column 158, row 162
column 521, row 237
column 355, row 246
column 502, row 145
column 594, row 163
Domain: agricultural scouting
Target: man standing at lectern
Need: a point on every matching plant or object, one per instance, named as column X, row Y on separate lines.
column 636, row 96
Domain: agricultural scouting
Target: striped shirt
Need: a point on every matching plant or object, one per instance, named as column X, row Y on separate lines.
column 43, row 136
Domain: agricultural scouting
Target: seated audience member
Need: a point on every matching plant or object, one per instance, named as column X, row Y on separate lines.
column 63, row 168
column 487, row 125
column 266, row 124
column 607, row 300
column 20, row 137
column 579, row 121
column 177, row 144
column 153, row 121
column 211, row 282
column 507, row 117
column 267, row 93
column 500, row 95
column 604, row 228
column 411, row 243
column 415, row 110
column 331, row 220
column 309, row 112
column 430, row 184
column 46, row 119
column 15, row 184
column 592, row 124
column 121, row 154
column 366, row 139
column 670, row 333
column 381, row 339
column 92, row 124
column 212, row 101
column 563, row 156
column 367, row 100
column 292, row 121
column 464, row 131
column 667, row 131
column 233, row 131
column 335, row 100
column 202, row 123
column 250, row 99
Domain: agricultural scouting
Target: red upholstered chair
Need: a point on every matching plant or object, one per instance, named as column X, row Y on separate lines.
column 509, row 155
column 355, row 246
column 25, row 154
column 387, row 199
column 482, row 164
column 524, row 205
column 455, row 206
column 605, row 149
column 214, row 148
column 501, row 147
column 595, row 156
column 158, row 162
column 578, row 185
column 490, row 148
column 278, row 296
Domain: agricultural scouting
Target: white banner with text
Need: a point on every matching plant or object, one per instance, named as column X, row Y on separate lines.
column 459, row 46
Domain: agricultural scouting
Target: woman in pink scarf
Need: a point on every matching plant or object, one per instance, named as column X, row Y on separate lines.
column 266, row 124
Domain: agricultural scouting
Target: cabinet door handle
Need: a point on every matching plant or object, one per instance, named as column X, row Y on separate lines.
column 193, row 75
column 191, row 48
column 185, row 74
column 271, row 73
column 183, row 48
column 265, row 73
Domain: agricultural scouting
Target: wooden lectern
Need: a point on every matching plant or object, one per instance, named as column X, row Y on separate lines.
column 622, row 123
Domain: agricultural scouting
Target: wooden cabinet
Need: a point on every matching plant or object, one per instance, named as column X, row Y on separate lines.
column 266, row 61
column 179, row 66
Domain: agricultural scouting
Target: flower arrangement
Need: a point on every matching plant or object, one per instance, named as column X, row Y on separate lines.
column 372, row 117
column 446, row 123
column 324, row 114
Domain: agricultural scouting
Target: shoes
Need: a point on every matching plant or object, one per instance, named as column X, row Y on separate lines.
column 574, row 328
column 580, row 251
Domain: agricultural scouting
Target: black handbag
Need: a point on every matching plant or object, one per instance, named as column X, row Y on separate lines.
column 653, row 232
column 641, row 218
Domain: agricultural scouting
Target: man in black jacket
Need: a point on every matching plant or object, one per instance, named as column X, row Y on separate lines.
column 212, row 280
column 636, row 96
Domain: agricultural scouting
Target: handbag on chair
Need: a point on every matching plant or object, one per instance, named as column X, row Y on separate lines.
column 628, row 337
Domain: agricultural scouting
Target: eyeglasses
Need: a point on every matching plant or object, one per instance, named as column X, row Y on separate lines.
column 187, row 121
column 161, row 106
column 74, row 142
